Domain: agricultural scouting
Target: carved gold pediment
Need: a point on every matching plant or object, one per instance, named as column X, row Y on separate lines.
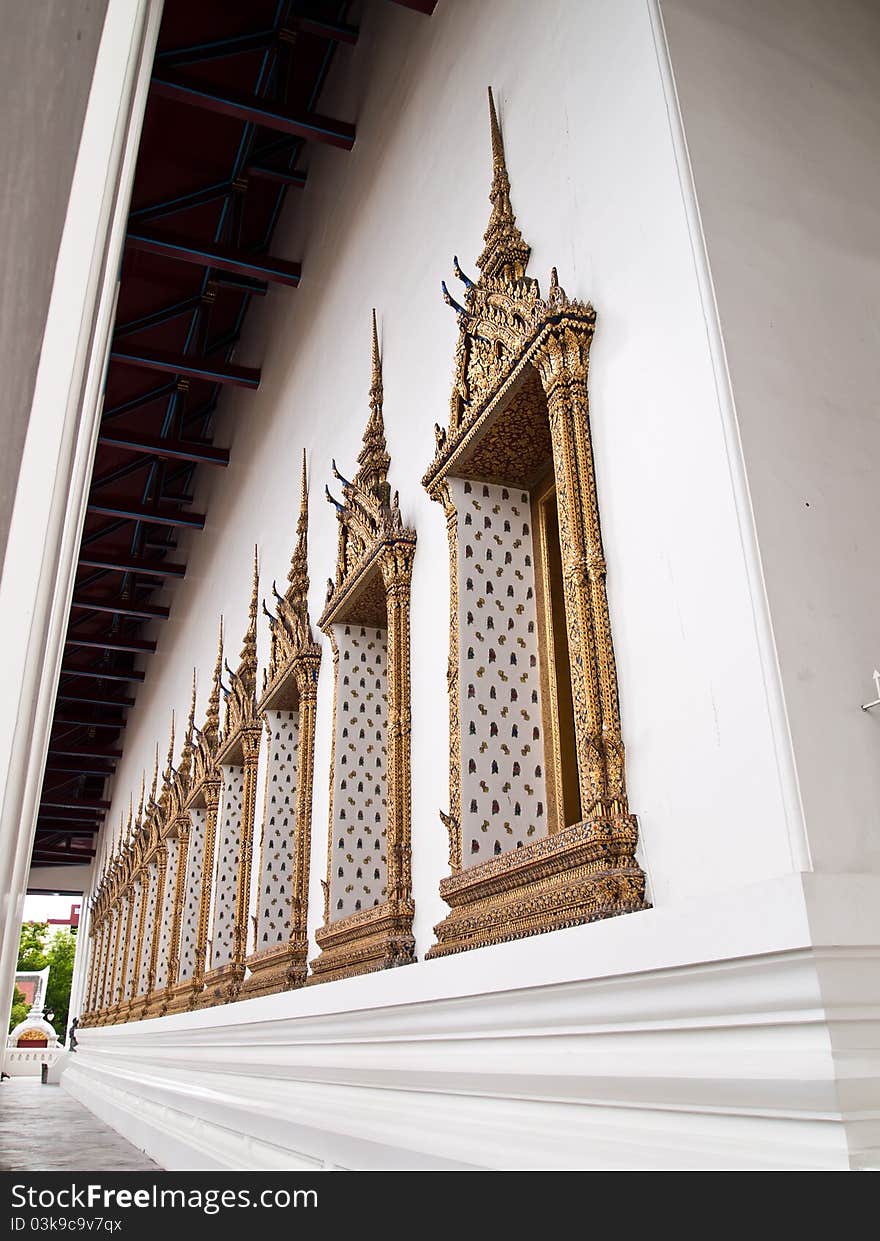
column 294, row 656
column 504, row 323
column 242, row 720
column 369, row 521
column 205, row 776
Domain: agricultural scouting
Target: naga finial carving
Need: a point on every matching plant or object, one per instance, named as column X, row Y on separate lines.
column 211, row 731
column 241, row 705
column 290, row 624
column 185, row 768
column 168, row 773
column 368, row 512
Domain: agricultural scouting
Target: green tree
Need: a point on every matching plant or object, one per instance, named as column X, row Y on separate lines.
column 60, row 952
column 32, row 946
column 35, row 952
column 20, row 1009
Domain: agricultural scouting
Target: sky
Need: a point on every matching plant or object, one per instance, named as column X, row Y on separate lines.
column 41, row 908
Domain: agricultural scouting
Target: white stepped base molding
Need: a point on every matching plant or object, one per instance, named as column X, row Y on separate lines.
column 741, row 1034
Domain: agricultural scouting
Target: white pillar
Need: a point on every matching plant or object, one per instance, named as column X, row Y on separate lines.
column 49, row 509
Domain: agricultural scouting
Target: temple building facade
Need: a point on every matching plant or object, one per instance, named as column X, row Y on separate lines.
column 444, row 634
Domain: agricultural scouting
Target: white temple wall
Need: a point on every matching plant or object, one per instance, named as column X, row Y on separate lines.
column 781, row 107
column 725, row 1026
column 596, row 191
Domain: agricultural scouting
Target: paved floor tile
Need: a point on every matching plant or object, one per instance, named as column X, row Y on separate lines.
column 43, row 1129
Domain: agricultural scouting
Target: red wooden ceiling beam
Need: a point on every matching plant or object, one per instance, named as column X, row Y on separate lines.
column 260, row 172
column 78, row 769
column 418, row 6
column 337, row 32
column 136, row 646
column 50, row 857
column 78, row 803
column 119, row 607
column 255, row 111
column 71, row 750
column 181, row 364
column 213, row 254
column 169, row 449
column 94, row 699
column 121, row 562
column 88, row 818
column 66, row 828
column 100, row 674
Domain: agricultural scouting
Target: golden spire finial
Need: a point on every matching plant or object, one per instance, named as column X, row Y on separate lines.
column 376, row 370
column 298, row 575
column 212, row 715
column 498, row 161
column 505, row 254
column 183, row 769
column 140, row 813
column 302, row 524
column 248, row 659
column 155, row 785
column 373, row 458
column 169, row 762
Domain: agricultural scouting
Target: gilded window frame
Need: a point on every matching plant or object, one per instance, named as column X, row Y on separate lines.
column 587, row 870
column 376, row 552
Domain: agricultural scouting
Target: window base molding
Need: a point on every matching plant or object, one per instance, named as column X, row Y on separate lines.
column 183, row 996
column 155, row 1005
column 581, row 874
column 380, row 938
column 279, row 968
column 222, row 985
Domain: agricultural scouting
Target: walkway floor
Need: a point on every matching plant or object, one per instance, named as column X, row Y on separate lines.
column 43, row 1129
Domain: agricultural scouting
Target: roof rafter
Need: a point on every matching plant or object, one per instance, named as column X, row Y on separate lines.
column 254, row 110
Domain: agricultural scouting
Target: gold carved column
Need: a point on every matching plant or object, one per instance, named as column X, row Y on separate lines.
column 102, row 967
column 114, row 961
column 90, row 976
column 396, row 564
column 307, row 685
column 152, row 1001
column 95, row 976
column 211, row 802
column 129, row 899
column 562, row 362
column 179, row 897
column 140, row 884
column 452, row 820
